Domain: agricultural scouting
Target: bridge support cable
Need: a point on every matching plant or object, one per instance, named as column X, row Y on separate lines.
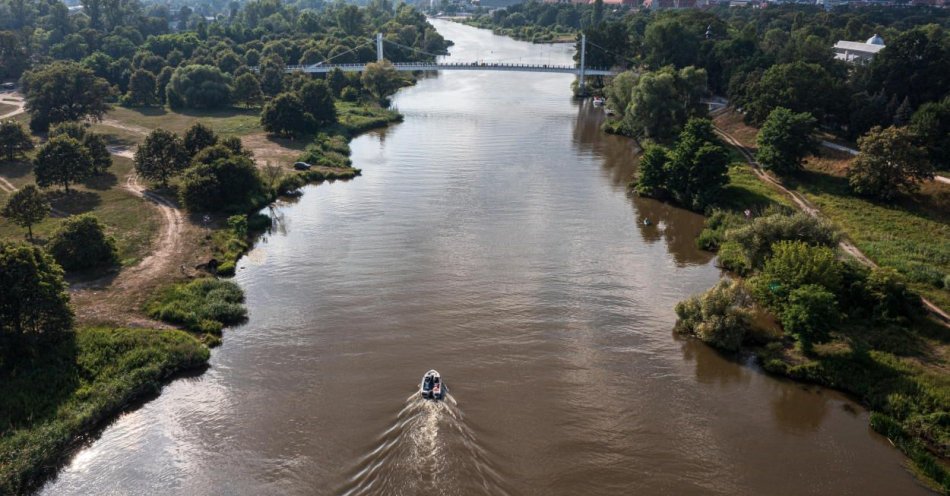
column 379, row 47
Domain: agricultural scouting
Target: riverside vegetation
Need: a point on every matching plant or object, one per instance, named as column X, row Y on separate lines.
column 804, row 307
column 214, row 139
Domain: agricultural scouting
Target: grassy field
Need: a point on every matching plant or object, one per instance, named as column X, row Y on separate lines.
column 75, row 384
column 911, row 235
column 126, row 216
column 6, row 107
column 228, row 122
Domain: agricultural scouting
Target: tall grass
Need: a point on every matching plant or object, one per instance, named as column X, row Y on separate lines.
column 204, row 305
column 69, row 386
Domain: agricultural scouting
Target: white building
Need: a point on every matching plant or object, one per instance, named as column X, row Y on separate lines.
column 855, row 52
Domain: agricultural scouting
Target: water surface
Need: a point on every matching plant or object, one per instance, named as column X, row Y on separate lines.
column 490, row 237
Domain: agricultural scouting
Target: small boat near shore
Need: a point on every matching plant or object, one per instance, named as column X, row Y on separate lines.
column 432, row 387
column 599, row 101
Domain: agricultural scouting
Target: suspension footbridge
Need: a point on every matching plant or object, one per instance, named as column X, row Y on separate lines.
column 580, row 70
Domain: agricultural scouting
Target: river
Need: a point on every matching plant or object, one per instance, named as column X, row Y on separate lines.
column 490, row 237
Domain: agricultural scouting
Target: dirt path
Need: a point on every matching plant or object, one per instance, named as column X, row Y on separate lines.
column 13, row 99
column 806, row 206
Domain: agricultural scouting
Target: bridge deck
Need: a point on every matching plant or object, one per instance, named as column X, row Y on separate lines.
column 469, row 66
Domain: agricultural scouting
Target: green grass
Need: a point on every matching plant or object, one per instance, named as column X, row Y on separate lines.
column 224, row 122
column 203, row 305
column 911, row 235
column 746, row 191
column 356, row 118
column 68, row 388
column 128, row 218
column 6, row 107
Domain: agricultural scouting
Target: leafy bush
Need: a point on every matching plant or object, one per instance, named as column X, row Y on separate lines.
column 230, row 184
column 204, row 305
column 34, row 298
column 758, row 237
column 719, row 317
column 810, row 313
column 794, row 264
column 80, row 243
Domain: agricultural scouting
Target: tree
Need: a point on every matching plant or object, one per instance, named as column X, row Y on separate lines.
column 285, row 116
column 63, row 91
column 142, row 86
column 318, row 102
column 198, row 137
column 810, row 313
column 669, row 42
column 663, row 101
column 795, row 264
column 888, row 162
column 247, row 90
column 620, row 89
column 230, row 184
column 800, row 87
column 914, row 64
column 199, row 86
column 381, row 79
column 81, row 243
column 931, row 124
column 26, row 207
column 698, row 166
column 160, row 156
column 34, row 298
column 785, row 140
column 62, row 160
column 651, row 171
column 14, row 139
column 94, row 144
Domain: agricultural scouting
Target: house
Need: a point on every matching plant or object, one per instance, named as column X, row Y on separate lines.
column 673, row 4
column 855, row 52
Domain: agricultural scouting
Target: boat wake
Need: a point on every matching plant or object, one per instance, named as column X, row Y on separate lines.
column 428, row 450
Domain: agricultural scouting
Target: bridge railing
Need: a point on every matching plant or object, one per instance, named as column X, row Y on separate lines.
column 436, row 66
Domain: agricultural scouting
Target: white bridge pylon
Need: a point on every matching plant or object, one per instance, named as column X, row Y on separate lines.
column 581, row 71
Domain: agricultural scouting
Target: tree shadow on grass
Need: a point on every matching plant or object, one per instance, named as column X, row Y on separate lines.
column 15, row 169
column 37, row 375
column 74, row 202
column 217, row 113
column 101, row 182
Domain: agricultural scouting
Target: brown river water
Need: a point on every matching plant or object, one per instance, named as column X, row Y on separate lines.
column 490, row 237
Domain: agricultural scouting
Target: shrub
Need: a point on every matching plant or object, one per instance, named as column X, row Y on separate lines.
column 199, row 86
column 758, row 237
column 810, row 313
column 204, row 305
column 732, row 256
column 230, row 184
column 81, row 243
column 719, row 317
column 34, row 298
column 795, row 264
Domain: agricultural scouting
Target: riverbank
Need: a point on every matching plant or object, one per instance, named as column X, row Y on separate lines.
column 896, row 368
column 529, row 33
column 72, row 388
column 98, row 370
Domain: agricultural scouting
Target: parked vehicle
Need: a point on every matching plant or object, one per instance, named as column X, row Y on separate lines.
column 302, row 166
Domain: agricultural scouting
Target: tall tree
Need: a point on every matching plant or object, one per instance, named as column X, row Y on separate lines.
column 785, row 140
column 381, row 79
column 94, row 144
column 889, row 162
column 247, row 90
column 14, row 139
column 931, row 123
column 141, row 89
column 62, row 160
column 27, row 207
column 198, row 137
column 199, row 86
column 318, row 102
column 34, row 298
column 285, row 116
column 63, row 91
column 161, row 156
column 81, row 243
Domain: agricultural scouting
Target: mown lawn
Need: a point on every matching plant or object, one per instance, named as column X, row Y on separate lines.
column 71, row 384
column 128, row 218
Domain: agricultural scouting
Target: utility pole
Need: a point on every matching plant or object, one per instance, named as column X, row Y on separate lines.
column 581, row 86
column 379, row 47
